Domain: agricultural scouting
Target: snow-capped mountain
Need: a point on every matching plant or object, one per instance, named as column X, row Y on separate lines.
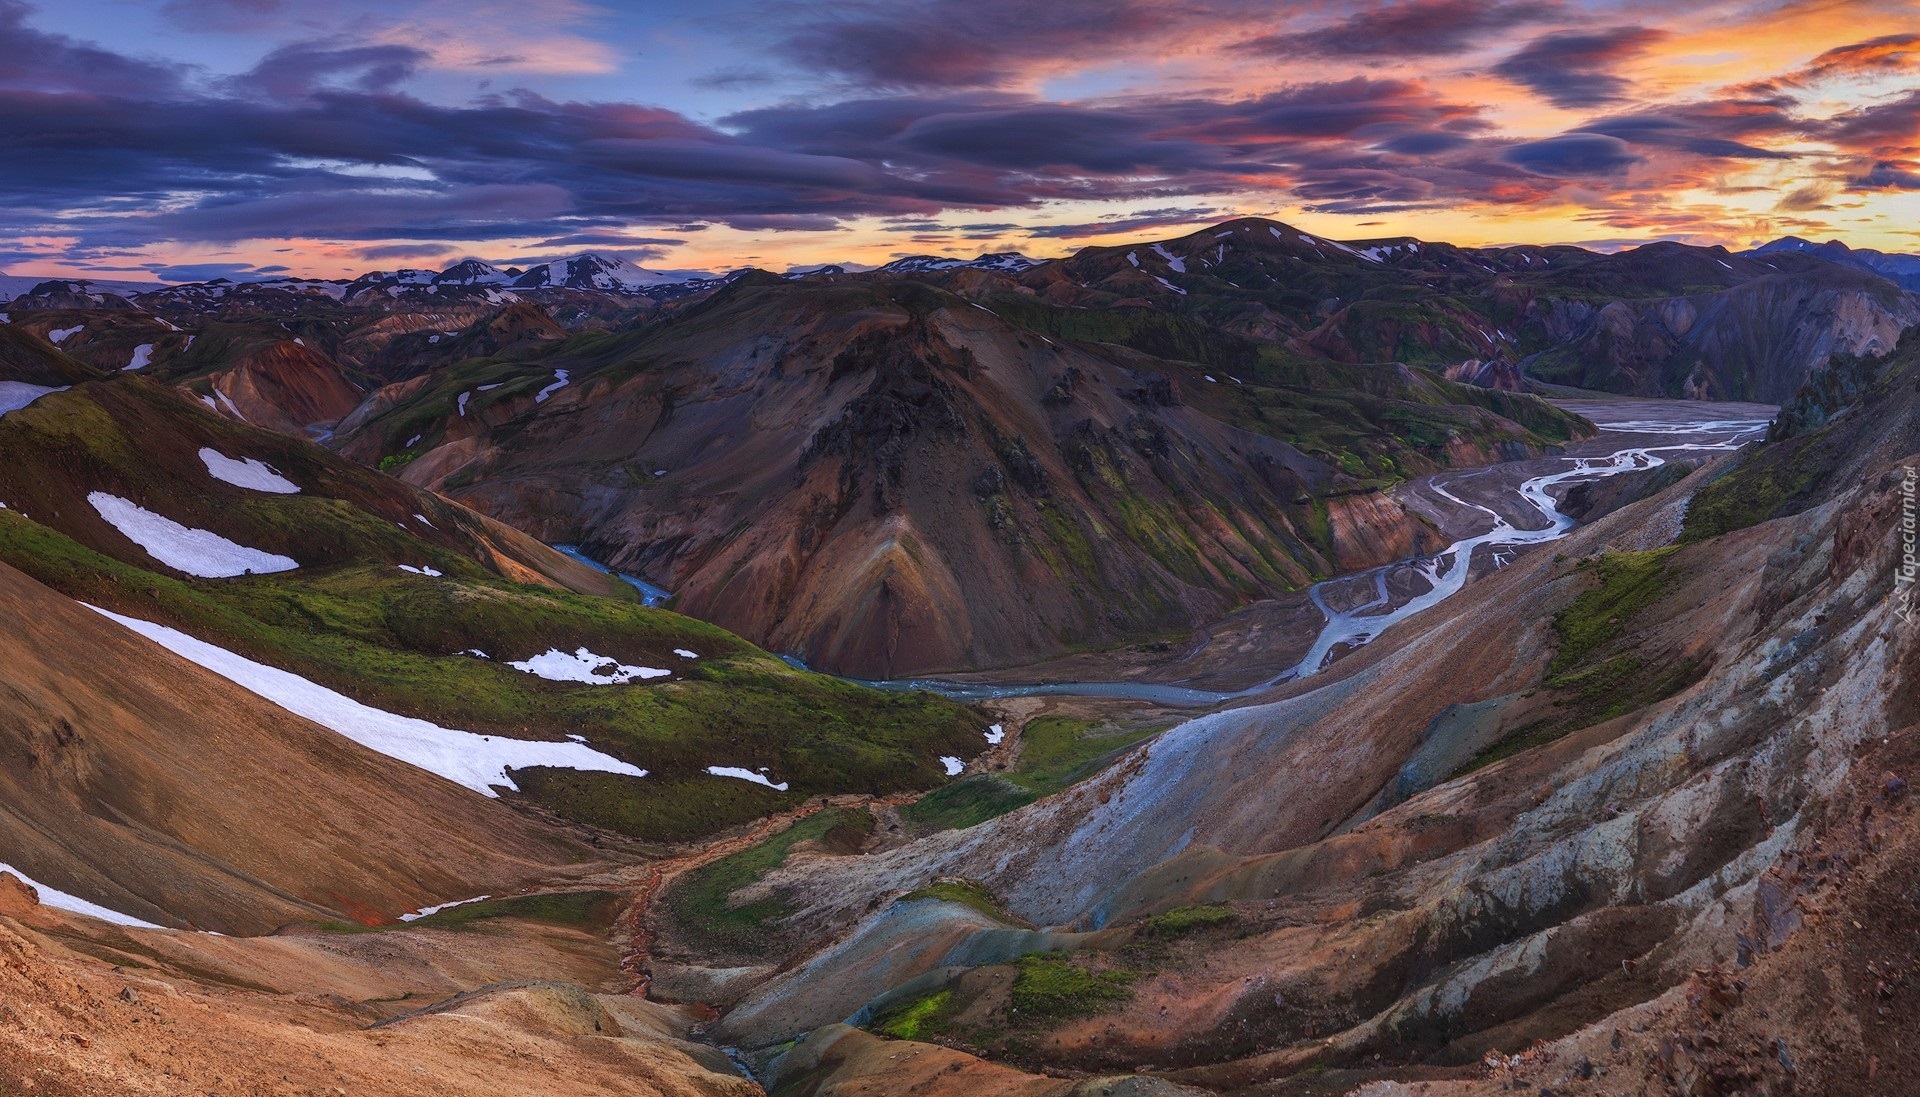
column 599, row 272
column 473, row 272
column 1902, row 269
column 1009, row 261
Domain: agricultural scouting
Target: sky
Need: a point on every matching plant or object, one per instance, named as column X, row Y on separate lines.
column 188, row 139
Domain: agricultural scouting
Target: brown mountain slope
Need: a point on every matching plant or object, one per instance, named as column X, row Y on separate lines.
column 888, row 479
column 141, row 782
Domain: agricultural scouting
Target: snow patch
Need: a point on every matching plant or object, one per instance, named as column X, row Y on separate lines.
column 1134, row 258
column 685, row 654
column 183, row 548
column 425, row 912
column 1170, row 285
column 954, row 765
column 464, row 397
column 61, row 335
column 227, row 402
column 747, row 775
column 428, row 572
column 246, row 472
column 1179, row 265
column 142, row 357
column 559, row 382
column 60, row 900
column 995, row 734
column 478, row 762
column 15, row 395
column 584, row 666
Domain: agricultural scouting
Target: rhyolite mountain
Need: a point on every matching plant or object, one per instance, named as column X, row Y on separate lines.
column 886, row 477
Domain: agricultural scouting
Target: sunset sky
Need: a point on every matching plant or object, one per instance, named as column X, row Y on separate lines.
column 184, row 139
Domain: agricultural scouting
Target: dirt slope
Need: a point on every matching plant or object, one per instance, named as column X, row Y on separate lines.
column 143, row 783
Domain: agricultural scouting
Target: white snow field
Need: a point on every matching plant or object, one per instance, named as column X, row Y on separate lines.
column 60, row 900
column 584, row 666
column 954, row 765
column 142, row 357
column 478, row 762
column 183, row 548
column 246, row 472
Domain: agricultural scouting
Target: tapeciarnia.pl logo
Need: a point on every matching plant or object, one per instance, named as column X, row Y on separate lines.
column 1905, row 573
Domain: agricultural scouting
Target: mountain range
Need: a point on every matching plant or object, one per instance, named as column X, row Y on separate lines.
column 1310, row 666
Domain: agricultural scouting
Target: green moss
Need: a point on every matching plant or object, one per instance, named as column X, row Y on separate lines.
column 1049, row 989
column 967, row 802
column 1629, row 582
column 700, row 903
column 1058, row 751
column 1183, row 920
column 916, row 1019
column 1768, row 483
column 967, row 893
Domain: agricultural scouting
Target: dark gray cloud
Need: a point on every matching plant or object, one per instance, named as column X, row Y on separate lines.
column 1573, row 154
column 402, row 251
column 297, row 70
column 1170, row 217
column 1420, row 28
column 1578, row 69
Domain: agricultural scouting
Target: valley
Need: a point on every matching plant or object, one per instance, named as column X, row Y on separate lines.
column 1495, row 511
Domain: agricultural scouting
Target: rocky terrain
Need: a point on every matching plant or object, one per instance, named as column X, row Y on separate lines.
column 1577, row 829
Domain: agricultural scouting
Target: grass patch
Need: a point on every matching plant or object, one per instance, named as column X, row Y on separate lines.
column 1051, row 989
column 699, row 902
column 967, row 802
column 1058, row 751
column 1771, row 482
column 1629, row 582
column 1181, row 921
column 967, row 894
column 916, row 1019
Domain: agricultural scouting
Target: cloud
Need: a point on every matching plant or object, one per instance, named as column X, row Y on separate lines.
column 1166, row 218
column 31, row 60
column 300, row 69
column 952, row 44
column 609, row 239
column 1889, row 175
column 230, row 16
column 402, row 251
column 1576, row 69
column 1886, row 54
column 1722, row 129
column 1420, row 28
column 1573, row 154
